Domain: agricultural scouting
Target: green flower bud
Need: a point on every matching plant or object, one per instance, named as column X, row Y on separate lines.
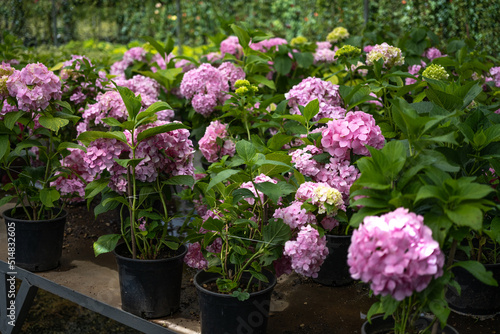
column 436, row 72
column 337, row 34
column 348, row 51
column 241, row 83
column 299, row 40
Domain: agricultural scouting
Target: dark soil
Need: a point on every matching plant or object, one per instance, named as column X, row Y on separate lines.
column 309, row 307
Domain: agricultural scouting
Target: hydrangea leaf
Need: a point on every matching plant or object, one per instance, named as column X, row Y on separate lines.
column 478, row 270
column 106, row 243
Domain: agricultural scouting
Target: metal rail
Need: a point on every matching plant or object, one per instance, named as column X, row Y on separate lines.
column 27, row 292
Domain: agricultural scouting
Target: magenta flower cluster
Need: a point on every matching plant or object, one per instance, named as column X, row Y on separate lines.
column 129, row 56
column 232, row 46
column 194, row 257
column 351, row 134
column 268, row 44
column 433, row 53
column 314, row 88
column 208, row 143
column 339, row 173
column 494, row 76
column 170, row 153
column 73, row 185
column 33, row 87
column 207, row 86
column 395, row 253
column 307, row 252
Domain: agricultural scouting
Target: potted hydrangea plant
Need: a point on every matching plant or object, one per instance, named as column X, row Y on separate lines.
column 134, row 165
column 30, row 149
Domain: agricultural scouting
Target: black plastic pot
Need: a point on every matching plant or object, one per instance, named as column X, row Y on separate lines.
column 476, row 298
column 379, row 325
column 225, row 314
column 335, row 270
column 150, row 288
column 38, row 243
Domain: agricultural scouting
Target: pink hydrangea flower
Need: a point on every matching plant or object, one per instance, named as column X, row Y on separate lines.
column 294, row 216
column 129, row 56
column 208, row 143
column 232, row 46
column 494, row 76
column 268, row 44
column 433, row 53
column 33, row 87
column 323, row 45
column 206, row 86
column 395, row 253
column 73, row 185
column 326, row 56
column 231, row 73
column 314, row 88
column 412, row 69
column 352, row 133
column 194, row 257
column 308, row 252
column 148, row 88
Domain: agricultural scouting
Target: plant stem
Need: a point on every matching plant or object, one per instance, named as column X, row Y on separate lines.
column 131, row 200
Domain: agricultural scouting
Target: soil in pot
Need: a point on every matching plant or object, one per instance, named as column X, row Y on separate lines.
column 38, row 243
column 150, row 288
column 224, row 314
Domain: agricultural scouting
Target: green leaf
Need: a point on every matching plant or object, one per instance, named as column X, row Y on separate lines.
column 466, row 215
column 304, row 59
column 90, row 136
column 4, row 145
column 311, row 109
column 65, row 145
column 259, row 276
column 376, row 308
column 180, row 180
column 156, row 45
column 276, row 232
column 159, row 129
column 478, row 271
column 6, row 199
column 263, row 80
column 241, row 193
column 95, row 187
column 106, row 243
column 129, row 162
column 153, row 109
column 271, row 190
column 242, row 35
column 246, row 150
column 48, row 196
column 132, row 103
column 11, row 118
column 52, row 123
column 440, row 309
column 283, row 64
column 220, row 177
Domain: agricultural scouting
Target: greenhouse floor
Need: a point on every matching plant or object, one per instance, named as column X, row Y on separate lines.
column 298, row 304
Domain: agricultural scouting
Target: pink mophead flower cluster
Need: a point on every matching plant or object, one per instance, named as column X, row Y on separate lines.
column 194, row 257
column 209, row 146
column 207, row 86
column 395, row 253
column 73, row 186
column 232, row 46
column 268, row 44
column 170, row 153
column 314, row 88
column 33, row 87
column 339, row 173
column 307, row 252
column 129, row 56
column 351, row 134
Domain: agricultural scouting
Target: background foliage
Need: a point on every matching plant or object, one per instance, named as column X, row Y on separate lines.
column 123, row 21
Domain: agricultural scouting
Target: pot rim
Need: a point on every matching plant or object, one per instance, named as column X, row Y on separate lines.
column 121, row 257
column 6, row 215
column 200, row 288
